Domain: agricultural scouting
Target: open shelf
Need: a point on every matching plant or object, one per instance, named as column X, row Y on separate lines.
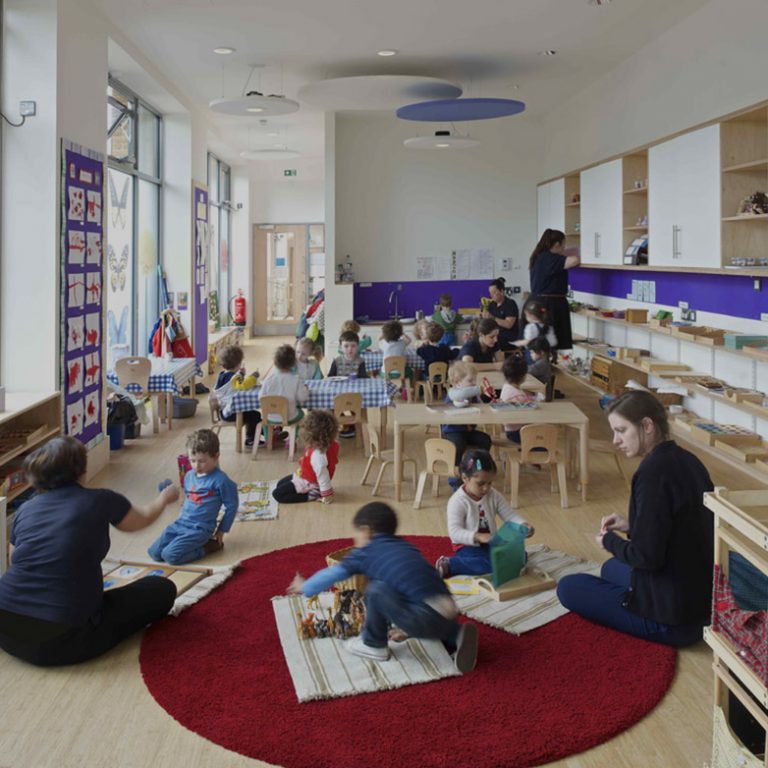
column 747, row 217
column 634, row 170
column 573, row 234
column 636, row 229
column 639, row 191
column 573, row 205
column 757, row 166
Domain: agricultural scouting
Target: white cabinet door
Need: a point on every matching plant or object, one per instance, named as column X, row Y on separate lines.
column 551, row 205
column 684, row 200
column 601, row 214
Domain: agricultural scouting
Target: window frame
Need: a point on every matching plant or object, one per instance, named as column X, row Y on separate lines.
column 224, row 208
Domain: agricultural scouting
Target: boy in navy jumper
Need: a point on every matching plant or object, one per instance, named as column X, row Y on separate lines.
column 403, row 590
column 433, row 351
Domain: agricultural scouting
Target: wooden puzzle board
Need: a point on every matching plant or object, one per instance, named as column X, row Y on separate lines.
column 125, row 572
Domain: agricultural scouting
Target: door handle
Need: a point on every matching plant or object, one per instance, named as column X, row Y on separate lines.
column 675, row 241
column 597, row 245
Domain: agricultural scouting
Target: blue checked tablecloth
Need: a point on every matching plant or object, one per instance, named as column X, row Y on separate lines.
column 167, row 375
column 375, row 359
column 377, row 393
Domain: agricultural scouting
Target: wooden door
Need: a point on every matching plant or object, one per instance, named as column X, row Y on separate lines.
column 663, row 199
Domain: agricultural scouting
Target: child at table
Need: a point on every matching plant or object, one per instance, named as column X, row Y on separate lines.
column 403, row 590
column 472, row 514
column 541, row 365
column 364, row 340
column 307, row 367
column 393, row 343
column 349, row 362
column 230, row 380
column 420, row 333
column 284, row 382
column 447, row 319
column 515, row 369
column 312, row 480
column 434, row 350
column 206, row 489
column 463, row 380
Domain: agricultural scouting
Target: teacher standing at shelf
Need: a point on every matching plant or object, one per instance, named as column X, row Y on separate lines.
column 504, row 311
column 549, row 282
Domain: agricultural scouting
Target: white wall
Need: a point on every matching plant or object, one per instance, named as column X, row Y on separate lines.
column 394, row 204
column 242, row 240
column 708, row 65
column 287, row 200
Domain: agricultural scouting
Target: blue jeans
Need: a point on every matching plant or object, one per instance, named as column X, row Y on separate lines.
column 385, row 605
column 471, row 561
column 602, row 600
column 180, row 543
column 449, row 338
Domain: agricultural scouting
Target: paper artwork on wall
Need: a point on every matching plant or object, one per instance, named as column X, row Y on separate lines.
column 75, row 333
column 76, row 290
column 76, row 248
column 93, row 287
column 93, row 329
column 75, row 418
column 93, row 248
column 94, row 206
column 75, row 374
column 76, row 204
column 91, row 408
column 92, row 368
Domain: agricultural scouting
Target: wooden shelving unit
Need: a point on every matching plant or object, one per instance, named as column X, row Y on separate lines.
column 634, row 169
column 572, row 211
column 744, row 170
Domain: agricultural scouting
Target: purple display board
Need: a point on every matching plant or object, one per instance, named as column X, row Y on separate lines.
column 724, row 294
column 82, row 309
column 202, row 241
column 372, row 299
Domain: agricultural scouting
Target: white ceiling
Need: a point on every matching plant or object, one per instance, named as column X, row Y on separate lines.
column 486, row 46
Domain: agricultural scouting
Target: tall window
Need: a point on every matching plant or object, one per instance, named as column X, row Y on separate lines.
column 133, row 220
column 219, row 196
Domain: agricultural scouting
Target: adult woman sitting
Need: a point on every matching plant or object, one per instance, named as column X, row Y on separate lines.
column 658, row 584
column 483, row 346
column 53, row 608
column 503, row 311
column 549, row 282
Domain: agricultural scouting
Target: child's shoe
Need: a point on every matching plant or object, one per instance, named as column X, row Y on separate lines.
column 357, row 647
column 465, row 657
column 347, row 432
column 248, row 442
column 443, row 567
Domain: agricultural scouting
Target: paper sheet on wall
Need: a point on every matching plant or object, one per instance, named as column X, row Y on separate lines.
column 425, row 267
column 443, row 268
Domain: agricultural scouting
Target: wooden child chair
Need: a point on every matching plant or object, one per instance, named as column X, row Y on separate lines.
column 532, row 437
column 441, row 462
column 386, row 458
column 135, row 371
column 434, row 385
column 217, row 422
column 394, row 371
column 348, row 410
column 274, row 412
column 606, row 447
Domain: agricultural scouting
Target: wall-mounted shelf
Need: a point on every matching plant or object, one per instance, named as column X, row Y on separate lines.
column 573, row 205
column 758, row 166
column 753, row 217
column 636, row 229
column 638, row 191
column 733, row 271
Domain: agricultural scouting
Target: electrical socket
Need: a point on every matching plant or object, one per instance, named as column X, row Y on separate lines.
column 764, row 317
column 516, row 289
column 689, row 314
column 27, row 108
column 505, row 264
column 682, row 304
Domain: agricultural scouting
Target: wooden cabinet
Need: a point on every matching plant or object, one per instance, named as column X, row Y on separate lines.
column 684, row 200
column 601, row 214
column 551, row 209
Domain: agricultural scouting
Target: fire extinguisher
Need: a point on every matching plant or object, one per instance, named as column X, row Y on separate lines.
column 238, row 316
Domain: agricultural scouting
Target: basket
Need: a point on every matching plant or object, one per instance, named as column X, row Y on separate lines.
column 727, row 750
column 358, row 581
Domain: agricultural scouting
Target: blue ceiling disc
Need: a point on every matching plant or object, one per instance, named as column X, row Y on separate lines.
column 460, row 110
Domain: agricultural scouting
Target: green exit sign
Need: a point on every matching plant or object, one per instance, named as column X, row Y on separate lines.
column 290, row 172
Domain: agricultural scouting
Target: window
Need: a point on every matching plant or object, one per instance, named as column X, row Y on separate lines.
column 133, row 220
column 219, row 197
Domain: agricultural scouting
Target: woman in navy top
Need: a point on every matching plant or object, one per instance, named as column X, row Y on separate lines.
column 549, row 282
column 504, row 311
column 53, row 607
column 484, row 347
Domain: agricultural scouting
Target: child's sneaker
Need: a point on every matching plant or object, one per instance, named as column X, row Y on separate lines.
column 248, row 442
column 347, row 432
column 357, row 647
column 443, row 567
column 465, row 657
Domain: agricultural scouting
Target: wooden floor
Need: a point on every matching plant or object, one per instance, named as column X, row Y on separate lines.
column 100, row 713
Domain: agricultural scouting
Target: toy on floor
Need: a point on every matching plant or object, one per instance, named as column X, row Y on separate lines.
column 345, row 620
column 164, row 484
column 182, row 460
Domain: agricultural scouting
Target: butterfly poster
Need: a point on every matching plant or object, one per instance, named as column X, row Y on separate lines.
column 117, row 267
column 118, row 197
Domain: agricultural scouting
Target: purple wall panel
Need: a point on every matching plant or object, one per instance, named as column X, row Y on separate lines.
column 725, row 294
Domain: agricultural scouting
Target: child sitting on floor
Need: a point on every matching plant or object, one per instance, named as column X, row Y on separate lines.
column 231, row 379
column 515, row 370
column 307, row 366
column 206, row 490
column 541, row 366
column 447, row 319
column 403, row 590
column 364, row 341
column 472, row 514
column 312, row 480
column 282, row 381
column 349, row 362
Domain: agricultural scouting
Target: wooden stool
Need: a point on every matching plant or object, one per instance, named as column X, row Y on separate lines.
column 437, row 374
column 276, row 405
column 441, row 462
column 387, row 457
column 217, row 422
column 394, row 371
column 348, row 410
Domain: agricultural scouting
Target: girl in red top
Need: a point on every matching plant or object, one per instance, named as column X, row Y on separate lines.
column 312, row 479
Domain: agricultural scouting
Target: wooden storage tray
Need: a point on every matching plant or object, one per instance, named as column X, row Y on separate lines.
column 662, row 326
column 746, row 453
column 638, row 316
column 747, row 512
column 732, row 434
column 740, row 395
column 761, row 353
column 652, row 364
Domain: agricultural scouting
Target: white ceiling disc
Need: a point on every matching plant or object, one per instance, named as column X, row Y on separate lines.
column 376, row 91
column 441, row 142
column 255, row 106
column 270, row 154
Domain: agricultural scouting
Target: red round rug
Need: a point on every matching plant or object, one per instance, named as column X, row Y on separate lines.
column 219, row 670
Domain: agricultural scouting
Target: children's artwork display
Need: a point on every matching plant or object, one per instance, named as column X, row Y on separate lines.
column 202, row 244
column 82, row 307
column 256, row 502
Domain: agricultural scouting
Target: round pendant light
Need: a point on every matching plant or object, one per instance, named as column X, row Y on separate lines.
column 442, row 140
column 255, row 104
column 270, row 154
column 460, row 110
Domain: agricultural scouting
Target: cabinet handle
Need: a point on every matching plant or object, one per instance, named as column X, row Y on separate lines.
column 597, row 245
column 675, row 241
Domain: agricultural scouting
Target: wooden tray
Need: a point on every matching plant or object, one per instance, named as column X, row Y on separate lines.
column 739, row 395
column 536, row 581
column 761, row 353
column 652, row 364
column 708, row 432
column 749, row 454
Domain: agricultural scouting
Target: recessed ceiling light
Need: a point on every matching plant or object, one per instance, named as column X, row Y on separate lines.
column 548, row 52
column 224, row 50
column 253, row 104
column 388, row 52
column 254, row 109
column 599, row 2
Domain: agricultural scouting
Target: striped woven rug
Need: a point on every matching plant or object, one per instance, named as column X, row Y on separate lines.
column 321, row 669
column 532, row 611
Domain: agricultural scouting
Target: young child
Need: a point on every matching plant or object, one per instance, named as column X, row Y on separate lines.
column 206, row 489
column 364, row 341
column 349, row 362
column 403, row 590
column 536, row 318
column 393, row 343
column 231, row 379
column 307, row 366
column 463, row 380
column 541, row 367
column 434, row 350
column 282, row 381
column 447, row 319
column 515, row 370
column 312, row 480
column 472, row 514
column 420, row 332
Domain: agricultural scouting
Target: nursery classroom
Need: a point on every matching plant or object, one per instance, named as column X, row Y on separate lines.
column 561, row 204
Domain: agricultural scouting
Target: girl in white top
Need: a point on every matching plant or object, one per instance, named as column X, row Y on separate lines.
column 515, row 369
column 307, row 366
column 472, row 514
column 281, row 381
column 537, row 324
